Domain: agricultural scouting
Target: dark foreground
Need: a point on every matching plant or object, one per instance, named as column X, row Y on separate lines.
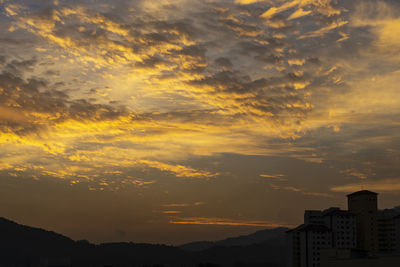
column 27, row 246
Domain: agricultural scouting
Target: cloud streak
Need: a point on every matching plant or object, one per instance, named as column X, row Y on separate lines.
column 384, row 186
column 225, row 222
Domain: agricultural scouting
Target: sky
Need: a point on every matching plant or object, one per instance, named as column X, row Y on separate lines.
column 169, row 121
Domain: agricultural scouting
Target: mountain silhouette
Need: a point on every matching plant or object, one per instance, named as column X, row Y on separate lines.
column 22, row 245
column 274, row 236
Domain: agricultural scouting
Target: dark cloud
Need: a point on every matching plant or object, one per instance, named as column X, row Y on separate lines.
column 235, row 38
column 261, row 97
column 151, row 62
column 52, row 73
column 184, row 27
column 201, row 117
column 2, row 60
column 224, row 62
column 20, row 98
column 273, row 59
column 19, row 67
column 196, row 51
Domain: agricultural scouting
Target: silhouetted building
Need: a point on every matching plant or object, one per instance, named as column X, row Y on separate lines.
column 377, row 230
column 364, row 204
column 330, row 228
column 351, row 236
column 387, row 231
column 293, row 248
column 313, row 238
column 343, row 226
column 397, row 230
column 313, row 217
column 357, row 258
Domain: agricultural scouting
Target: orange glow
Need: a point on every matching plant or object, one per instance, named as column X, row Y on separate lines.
column 226, row 222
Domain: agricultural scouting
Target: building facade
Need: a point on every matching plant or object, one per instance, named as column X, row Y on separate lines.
column 364, row 204
column 362, row 230
column 343, row 226
column 357, row 258
column 330, row 228
column 387, row 231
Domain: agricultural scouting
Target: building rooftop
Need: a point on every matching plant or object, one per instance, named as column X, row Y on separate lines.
column 314, row 227
column 362, row 192
column 338, row 212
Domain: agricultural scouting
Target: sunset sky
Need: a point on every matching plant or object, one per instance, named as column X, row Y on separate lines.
column 169, row 121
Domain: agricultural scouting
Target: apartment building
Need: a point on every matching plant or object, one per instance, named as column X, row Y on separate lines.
column 330, row 228
column 360, row 230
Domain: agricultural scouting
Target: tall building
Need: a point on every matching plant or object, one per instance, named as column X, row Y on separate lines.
column 388, row 255
column 360, row 236
column 330, row 228
column 343, row 226
column 387, row 230
column 396, row 220
column 293, row 247
column 364, row 204
column 313, row 238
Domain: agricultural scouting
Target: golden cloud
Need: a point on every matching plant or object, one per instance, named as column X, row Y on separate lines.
column 384, row 185
column 225, row 222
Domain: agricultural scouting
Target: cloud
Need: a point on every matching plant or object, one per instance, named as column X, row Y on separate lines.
column 324, row 7
column 278, row 177
column 225, row 222
column 179, row 170
column 159, row 84
column 171, row 212
column 299, row 13
column 322, row 31
column 182, row 205
column 259, row 98
column 382, row 185
column 355, row 173
column 139, row 182
column 176, row 205
column 18, row 67
column 13, row 9
column 5, row 166
column 300, row 190
column 247, row 2
column 163, row 48
column 30, row 103
column 383, row 20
